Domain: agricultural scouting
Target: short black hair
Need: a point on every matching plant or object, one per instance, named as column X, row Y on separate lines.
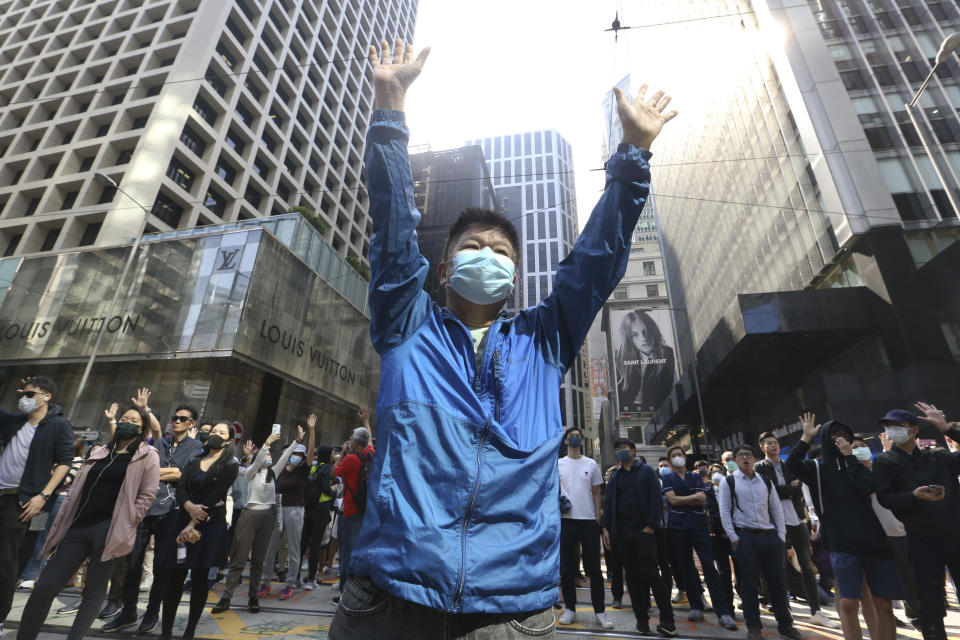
column 43, row 383
column 194, row 414
column 744, row 447
column 566, row 434
column 676, row 446
column 324, row 452
column 858, row 436
column 619, row 442
column 700, row 463
column 765, row 435
column 476, row 216
column 663, row 459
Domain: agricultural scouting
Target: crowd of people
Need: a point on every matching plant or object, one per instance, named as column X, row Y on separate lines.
column 835, row 519
column 165, row 512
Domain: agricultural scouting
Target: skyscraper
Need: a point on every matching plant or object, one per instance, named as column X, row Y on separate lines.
column 533, row 174
column 204, row 112
column 808, row 234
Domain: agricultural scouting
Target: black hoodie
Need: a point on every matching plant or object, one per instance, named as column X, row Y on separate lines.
column 52, row 444
column 848, row 522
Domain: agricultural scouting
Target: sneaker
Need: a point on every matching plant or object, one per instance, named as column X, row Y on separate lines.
column 264, row 590
column 146, row 584
column 604, row 621
column 110, row 610
column 253, row 605
column 70, row 608
column 568, row 617
column 310, row 585
column 221, row 606
column 121, row 621
column 616, row 604
column 680, row 598
column 335, row 599
column 26, row 584
column 727, row 623
column 643, row 628
column 148, row 622
column 287, row 593
column 754, row 633
column 667, row 629
column 695, row 615
column 790, row 633
column 822, row 620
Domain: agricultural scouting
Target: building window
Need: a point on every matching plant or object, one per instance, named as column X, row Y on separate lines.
column 260, row 169
column 12, row 245
column 652, row 291
column 620, row 293
column 225, row 56
column 253, row 197
column 205, row 111
column 884, row 77
column 910, row 206
column 167, row 210
column 107, row 194
column 124, row 156
column 215, row 202
column 225, row 171
column 244, row 114
column 182, row 176
column 90, row 233
column 853, row 80
column 649, row 268
column 268, row 142
column 69, row 200
column 32, row 206
column 86, row 163
column 233, row 141
column 191, row 140
column 50, row 239
column 139, row 123
column 879, row 138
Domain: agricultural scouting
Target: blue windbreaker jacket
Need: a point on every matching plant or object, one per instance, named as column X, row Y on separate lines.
column 462, row 511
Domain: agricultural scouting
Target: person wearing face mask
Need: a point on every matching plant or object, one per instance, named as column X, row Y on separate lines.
column 631, row 514
column 719, row 543
column 472, row 388
column 292, row 485
column 730, row 465
column 320, row 498
column 97, row 522
column 33, row 440
column 859, row 552
column 198, row 539
column 160, row 519
column 896, row 533
column 920, row 487
column 254, row 529
column 580, row 482
column 686, row 494
column 666, row 559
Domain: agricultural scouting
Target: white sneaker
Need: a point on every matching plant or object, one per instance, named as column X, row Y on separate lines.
column 26, row 584
column 146, row 584
column 822, row 620
column 309, row 585
column 604, row 621
column 568, row 617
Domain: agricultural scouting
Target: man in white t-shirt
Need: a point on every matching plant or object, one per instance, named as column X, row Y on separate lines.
column 580, row 482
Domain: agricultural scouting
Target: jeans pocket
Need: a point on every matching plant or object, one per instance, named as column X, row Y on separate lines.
column 537, row 625
column 362, row 598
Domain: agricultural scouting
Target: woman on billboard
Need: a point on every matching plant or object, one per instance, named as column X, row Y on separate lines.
column 644, row 363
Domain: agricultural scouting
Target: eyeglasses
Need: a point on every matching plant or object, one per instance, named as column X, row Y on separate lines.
column 745, row 456
column 182, row 418
column 29, row 394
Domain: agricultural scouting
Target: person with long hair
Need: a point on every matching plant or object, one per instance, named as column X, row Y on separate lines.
column 98, row 522
column 644, row 364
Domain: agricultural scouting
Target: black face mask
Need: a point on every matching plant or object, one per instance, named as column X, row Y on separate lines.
column 203, row 435
column 127, row 430
column 215, row 442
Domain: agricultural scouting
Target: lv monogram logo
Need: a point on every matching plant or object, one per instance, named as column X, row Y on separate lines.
column 228, row 259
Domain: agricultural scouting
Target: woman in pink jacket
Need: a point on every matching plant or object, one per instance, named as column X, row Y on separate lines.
column 98, row 521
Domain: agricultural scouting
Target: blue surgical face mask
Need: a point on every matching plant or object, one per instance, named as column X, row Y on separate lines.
column 665, row 471
column 731, row 466
column 482, row 277
column 296, row 460
column 574, row 441
column 623, row 455
column 862, row 453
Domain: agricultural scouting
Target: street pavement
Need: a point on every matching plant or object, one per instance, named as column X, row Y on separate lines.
column 308, row 614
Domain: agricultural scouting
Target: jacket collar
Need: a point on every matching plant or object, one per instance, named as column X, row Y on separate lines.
column 103, row 451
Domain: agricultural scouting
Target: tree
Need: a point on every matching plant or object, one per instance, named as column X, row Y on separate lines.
column 312, row 218
column 359, row 267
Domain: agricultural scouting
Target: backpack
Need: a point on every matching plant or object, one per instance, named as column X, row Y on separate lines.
column 359, row 496
column 732, row 484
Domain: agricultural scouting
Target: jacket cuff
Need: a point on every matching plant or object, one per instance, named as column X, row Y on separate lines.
column 389, row 115
column 630, row 150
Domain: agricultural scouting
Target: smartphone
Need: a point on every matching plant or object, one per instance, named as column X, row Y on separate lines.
column 936, row 487
column 276, row 429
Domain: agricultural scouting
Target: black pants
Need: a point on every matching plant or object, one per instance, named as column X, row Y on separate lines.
column 576, row 537
column 798, row 537
column 614, row 573
column 157, row 527
column 762, row 554
column 639, row 558
column 685, row 542
column 315, row 524
column 664, row 559
column 901, row 556
column 12, row 532
column 80, row 543
column 722, row 557
column 930, row 556
column 173, row 592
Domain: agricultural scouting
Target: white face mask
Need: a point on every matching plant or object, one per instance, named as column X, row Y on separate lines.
column 717, row 478
column 678, row 461
column 899, row 435
column 862, row 453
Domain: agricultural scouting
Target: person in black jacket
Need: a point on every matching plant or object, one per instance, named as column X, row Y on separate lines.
column 33, row 440
column 841, row 488
column 790, row 492
column 199, row 540
column 920, row 487
column 320, row 498
column 631, row 512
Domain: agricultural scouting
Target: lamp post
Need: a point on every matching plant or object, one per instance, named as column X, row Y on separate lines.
column 105, row 179
column 948, row 46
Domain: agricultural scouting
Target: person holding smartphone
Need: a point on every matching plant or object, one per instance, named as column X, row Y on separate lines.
column 920, row 487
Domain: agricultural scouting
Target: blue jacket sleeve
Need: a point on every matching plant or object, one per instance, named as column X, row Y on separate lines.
column 588, row 275
column 398, row 303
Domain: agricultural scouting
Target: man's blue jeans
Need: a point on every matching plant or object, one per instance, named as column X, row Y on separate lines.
column 347, row 537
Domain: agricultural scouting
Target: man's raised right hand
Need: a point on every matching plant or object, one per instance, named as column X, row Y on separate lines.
column 392, row 75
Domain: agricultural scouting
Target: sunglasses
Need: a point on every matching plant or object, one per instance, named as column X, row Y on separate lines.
column 182, row 418
column 30, row 394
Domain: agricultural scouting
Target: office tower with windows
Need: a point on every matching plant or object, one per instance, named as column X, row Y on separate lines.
column 444, row 184
column 532, row 173
column 809, row 226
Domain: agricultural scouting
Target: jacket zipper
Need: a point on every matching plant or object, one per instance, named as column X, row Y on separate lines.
column 466, row 519
column 496, row 385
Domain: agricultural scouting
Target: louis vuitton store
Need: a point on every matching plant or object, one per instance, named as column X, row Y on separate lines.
column 256, row 322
